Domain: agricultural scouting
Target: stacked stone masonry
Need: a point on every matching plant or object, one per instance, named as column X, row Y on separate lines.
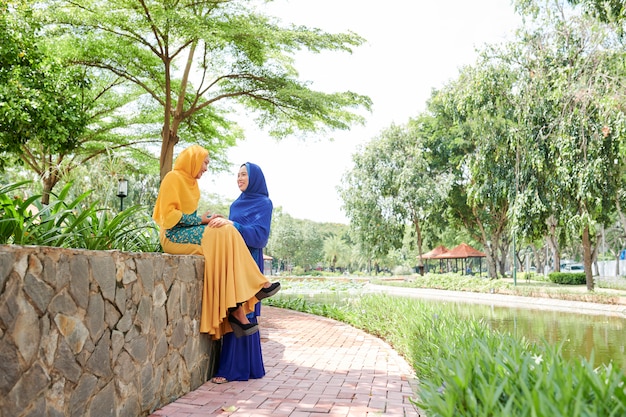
column 98, row 333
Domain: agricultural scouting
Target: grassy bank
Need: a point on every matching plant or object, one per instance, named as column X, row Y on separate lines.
column 607, row 290
column 466, row 369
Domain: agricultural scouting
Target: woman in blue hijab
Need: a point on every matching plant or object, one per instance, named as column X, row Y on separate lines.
column 251, row 213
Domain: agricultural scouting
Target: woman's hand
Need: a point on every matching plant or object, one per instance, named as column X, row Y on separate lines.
column 206, row 217
column 218, row 221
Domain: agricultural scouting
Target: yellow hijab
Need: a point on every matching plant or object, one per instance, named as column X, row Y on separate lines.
column 179, row 192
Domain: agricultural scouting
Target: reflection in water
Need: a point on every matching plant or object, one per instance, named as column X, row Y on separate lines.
column 578, row 334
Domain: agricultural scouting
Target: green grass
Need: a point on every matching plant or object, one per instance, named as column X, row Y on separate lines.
column 607, row 292
column 466, row 369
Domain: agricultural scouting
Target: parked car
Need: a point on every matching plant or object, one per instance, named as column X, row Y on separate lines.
column 573, row 268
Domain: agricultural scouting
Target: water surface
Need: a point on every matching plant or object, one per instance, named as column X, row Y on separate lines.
column 579, row 334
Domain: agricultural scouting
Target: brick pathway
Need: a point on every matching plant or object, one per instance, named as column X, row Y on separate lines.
column 315, row 367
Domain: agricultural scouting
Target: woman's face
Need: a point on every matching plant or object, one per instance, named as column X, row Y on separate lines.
column 203, row 168
column 242, row 179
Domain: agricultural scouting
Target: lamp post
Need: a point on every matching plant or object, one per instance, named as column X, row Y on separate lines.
column 122, row 191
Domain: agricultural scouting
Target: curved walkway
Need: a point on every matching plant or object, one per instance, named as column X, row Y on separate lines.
column 320, row 367
column 315, row 367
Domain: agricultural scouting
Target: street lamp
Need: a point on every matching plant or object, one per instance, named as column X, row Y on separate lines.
column 122, row 191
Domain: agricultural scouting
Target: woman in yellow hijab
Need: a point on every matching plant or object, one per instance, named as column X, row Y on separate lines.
column 233, row 283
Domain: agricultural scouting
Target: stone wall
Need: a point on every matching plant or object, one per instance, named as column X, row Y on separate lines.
column 98, row 333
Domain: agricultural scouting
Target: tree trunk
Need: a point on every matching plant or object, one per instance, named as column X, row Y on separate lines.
column 538, row 254
column 492, row 271
column 503, row 250
column 622, row 217
column 594, row 255
column 418, row 234
column 553, row 243
column 45, row 196
column 48, row 182
column 167, row 151
column 173, row 117
column 492, row 250
column 587, row 258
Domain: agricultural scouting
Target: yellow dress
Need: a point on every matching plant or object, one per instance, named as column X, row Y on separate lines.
column 231, row 276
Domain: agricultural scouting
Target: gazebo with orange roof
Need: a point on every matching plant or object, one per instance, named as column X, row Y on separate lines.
column 463, row 252
column 434, row 253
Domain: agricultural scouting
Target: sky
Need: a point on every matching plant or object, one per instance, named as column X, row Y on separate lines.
column 412, row 47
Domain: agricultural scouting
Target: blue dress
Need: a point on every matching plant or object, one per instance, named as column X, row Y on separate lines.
column 241, row 358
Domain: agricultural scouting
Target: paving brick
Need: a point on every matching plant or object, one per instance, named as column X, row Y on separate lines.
column 315, row 367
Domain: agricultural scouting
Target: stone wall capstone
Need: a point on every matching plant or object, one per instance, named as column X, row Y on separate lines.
column 99, row 333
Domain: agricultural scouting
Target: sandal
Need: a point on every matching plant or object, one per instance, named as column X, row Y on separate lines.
column 241, row 329
column 219, row 380
column 269, row 291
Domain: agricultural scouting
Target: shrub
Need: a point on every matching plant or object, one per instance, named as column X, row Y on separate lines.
column 402, row 270
column 70, row 223
column 568, row 278
column 297, row 270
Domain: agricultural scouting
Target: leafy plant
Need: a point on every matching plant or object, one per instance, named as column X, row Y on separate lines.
column 13, row 212
column 567, row 278
column 70, row 223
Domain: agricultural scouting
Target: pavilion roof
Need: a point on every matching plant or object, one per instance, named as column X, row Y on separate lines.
column 435, row 252
column 462, row 251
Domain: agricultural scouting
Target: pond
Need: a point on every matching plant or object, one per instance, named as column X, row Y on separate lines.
column 579, row 334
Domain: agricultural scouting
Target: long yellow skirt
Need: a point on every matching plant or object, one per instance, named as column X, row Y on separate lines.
column 231, row 276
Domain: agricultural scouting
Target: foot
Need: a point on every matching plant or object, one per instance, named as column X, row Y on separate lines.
column 268, row 291
column 240, row 315
column 219, row 380
column 242, row 329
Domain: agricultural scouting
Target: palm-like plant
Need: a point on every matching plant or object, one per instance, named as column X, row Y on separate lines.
column 73, row 224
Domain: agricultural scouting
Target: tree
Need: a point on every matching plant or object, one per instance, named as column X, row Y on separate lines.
column 471, row 134
column 391, row 187
column 571, row 104
column 336, row 252
column 310, row 249
column 55, row 117
column 612, row 12
column 284, row 239
column 41, row 100
column 607, row 11
column 197, row 59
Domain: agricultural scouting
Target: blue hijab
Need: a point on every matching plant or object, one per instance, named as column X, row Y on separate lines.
column 252, row 211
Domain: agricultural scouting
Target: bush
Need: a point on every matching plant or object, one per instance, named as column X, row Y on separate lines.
column 402, row 270
column 71, row 223
column 297, row 270
column 568, row 278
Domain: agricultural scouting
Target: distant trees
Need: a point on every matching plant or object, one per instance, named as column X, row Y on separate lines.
column 571, row 124
column 390, row 187
column 307, row 244
column 532, row 135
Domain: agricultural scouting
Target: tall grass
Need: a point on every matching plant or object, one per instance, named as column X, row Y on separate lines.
column 69, row 223
column 467, row 369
